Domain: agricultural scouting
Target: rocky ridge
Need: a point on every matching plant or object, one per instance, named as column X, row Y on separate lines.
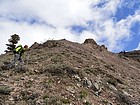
column 135, row 55
column 60, row 72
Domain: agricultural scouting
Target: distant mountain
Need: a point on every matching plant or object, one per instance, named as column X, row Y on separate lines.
column 60, row 72
column 132, row 54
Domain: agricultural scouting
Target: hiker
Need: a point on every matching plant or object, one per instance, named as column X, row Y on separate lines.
column 18, row 52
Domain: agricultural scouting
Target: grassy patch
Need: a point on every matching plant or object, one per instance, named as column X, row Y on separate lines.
column 60, row 70
column 95, row 71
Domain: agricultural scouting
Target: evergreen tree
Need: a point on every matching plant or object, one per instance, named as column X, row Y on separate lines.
column 13, row 40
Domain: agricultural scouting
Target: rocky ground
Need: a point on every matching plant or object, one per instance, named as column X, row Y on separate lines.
column 60, row 72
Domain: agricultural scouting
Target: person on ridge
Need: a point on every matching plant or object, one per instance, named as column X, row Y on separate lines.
column 18, row 52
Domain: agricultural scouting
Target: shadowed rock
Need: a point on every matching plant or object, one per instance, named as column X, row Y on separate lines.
column 90, row 41
column 35, row 46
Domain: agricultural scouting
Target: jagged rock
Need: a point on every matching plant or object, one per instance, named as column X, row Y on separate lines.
column 95, row 86
column 102, row 48
column 126, row 93
column 87, row 82
column 123, row 99
column 11, row 99
column 79, row 85
column 35, row 46
column 77, row 77
column 112, row 87
column 90, row 41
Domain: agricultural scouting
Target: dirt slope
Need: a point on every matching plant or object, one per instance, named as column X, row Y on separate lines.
column 60, row 72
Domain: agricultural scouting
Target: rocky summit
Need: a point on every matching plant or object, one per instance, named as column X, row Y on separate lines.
column 60, row 72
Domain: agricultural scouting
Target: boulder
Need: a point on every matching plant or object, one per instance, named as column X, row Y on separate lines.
column 87, row 82
column 103, row 47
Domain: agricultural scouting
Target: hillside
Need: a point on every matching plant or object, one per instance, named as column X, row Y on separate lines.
column 60, row 72
column 132, row 54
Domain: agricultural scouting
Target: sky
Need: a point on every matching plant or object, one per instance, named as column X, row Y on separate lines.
column 114, row 23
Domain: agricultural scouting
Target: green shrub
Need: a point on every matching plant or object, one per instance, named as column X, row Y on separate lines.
column 65, row 101
column 83, row 94
column 87, row 103
column 5, row 90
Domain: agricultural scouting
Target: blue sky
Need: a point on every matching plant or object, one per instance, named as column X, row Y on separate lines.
column 128, row 8
column 114, row 23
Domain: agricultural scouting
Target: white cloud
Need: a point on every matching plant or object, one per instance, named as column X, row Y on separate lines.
column 59, row 13
column 54, row 17
column 115, row 32
column 138, row 48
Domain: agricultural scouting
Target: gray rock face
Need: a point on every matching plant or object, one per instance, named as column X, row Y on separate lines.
column 87, row 82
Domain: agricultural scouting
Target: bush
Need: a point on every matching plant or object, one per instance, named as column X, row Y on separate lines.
column 65, row 101
column 87, row 103
column 5, row 90
column 83, row 94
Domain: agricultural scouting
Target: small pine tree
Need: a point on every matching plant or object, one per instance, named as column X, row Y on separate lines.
column 13, row 40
